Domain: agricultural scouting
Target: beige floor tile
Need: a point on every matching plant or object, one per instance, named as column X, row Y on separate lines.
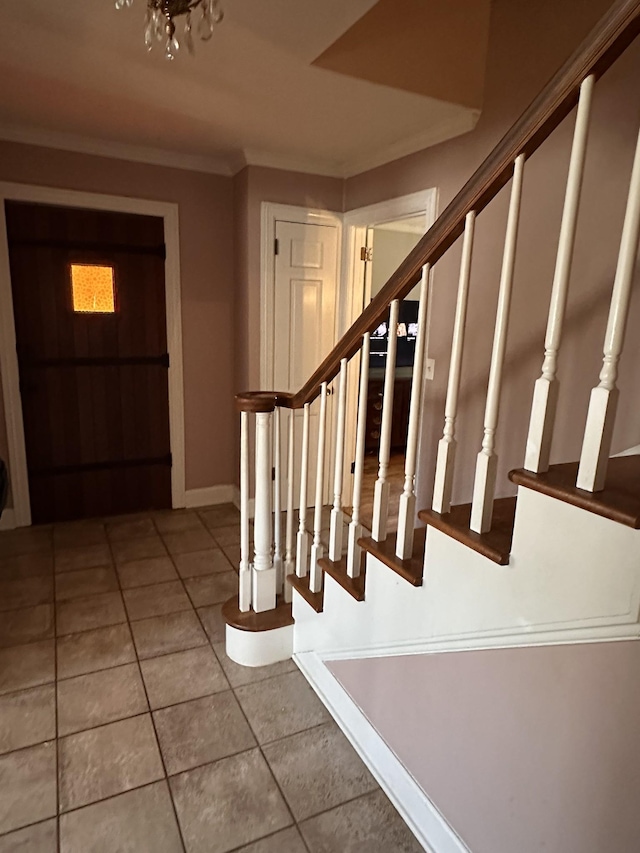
column 109, row 760
column 220, row 516
column 213, row 622
column 85, row 582
column 239, row 675
column 27, row 717
column 25, row 566
column 27, row 786
column 240, row 785
column 281, row 706
column 39, row 838
column 368, row 823
column 139, row 821
column 228, row 535
column 232, row 553
column 128, row 550
column 26, row 592
column 212, row 589
column 198, row 563
column 175, row 521
column 99, row 698
column 26, row 540
column 87, row 557
column 94, row 650
column 146, row 572
column 27, row 666
column 287, row 841
column 317, row 770
column 137, row 528
column 182, row 676
column 157, row 600
column 78, row 534
column 162, row 635
column 201, row 731
column 85, row 614
column 26, row 625
column 186, row 541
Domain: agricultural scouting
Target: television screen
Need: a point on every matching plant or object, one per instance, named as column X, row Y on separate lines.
column 407, row 333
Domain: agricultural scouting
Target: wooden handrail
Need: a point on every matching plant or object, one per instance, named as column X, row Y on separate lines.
column 602, row 47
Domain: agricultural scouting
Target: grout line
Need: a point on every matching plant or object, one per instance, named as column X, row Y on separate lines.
column 55, row 700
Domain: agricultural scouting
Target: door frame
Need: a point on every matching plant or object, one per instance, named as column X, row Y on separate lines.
column 270, row 213
column 9, row 373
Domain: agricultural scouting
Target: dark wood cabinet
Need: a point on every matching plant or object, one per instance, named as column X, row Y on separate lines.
column 400, row 424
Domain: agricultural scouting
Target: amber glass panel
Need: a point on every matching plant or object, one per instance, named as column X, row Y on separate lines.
column 93, row 289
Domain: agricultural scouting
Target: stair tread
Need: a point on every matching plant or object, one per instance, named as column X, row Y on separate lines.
column 280, row 617
column 495, row 545
column 301, row 585
column 338, row 571
column 411, row 570
column 619, row 501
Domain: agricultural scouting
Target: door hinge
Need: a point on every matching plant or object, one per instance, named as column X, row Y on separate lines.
column 273, row 474
column 170, row 460
column 366, row 254
column 353, row 467
column 276, row 247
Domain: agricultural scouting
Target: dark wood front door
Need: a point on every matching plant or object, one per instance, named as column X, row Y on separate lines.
column 89, row 304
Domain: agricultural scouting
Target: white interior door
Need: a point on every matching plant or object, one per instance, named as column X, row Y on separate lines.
column 306, row 266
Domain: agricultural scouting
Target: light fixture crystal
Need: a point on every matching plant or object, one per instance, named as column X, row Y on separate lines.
column 160, row 26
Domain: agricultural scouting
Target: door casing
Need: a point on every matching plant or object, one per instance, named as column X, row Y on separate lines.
column 169, row 213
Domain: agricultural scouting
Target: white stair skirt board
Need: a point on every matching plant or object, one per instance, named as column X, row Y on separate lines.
column 210, row 496
column 259, row 648
column 419, row 813
column 8, row 519
column 579, row 581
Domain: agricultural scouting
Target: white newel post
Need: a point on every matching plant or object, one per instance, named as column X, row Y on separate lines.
column 289, row 561
column 264, row 573
column 601, row 417
column 315, row 577
column 486, row 466
column 244, row 602
column 302, row 540
column 407, row 507
column 445, row 463
column 354, row 551
column 381, row 491
column 278, row 561
column 337, row 519
column 545, row 395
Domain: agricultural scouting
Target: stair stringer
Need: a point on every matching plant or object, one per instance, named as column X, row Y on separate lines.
column 573, row 577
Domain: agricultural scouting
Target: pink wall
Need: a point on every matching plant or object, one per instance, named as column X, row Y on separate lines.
column 528, row 42
column 522, row 750
column 206, row 238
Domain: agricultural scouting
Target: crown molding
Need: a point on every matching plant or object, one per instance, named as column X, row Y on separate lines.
column 116, row 150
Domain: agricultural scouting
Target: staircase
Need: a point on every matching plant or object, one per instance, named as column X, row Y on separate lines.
column 557, row 563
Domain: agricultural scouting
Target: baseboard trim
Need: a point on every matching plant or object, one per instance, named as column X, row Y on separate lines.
column 8, row 519
column 209, row 496
column 419, row 813
column 236, row 502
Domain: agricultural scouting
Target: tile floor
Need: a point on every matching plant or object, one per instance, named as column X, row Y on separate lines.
column 124, row 728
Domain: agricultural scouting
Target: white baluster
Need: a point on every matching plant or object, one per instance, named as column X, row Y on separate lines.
column 278, row 562
column 337, row 518
column 545, row 395
column 289, row 561
column 354, row 551
column 315, row 578
column 601, row 417
column 445, row 463
column 264, row 574
column 486, row 466
column 245, row 563
column 407, row 507
column 302, row 549
column 381, row 490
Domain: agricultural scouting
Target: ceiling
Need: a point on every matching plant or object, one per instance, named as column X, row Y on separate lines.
column 76, row 75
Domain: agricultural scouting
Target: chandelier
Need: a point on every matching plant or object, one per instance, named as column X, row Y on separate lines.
column 159, row 25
